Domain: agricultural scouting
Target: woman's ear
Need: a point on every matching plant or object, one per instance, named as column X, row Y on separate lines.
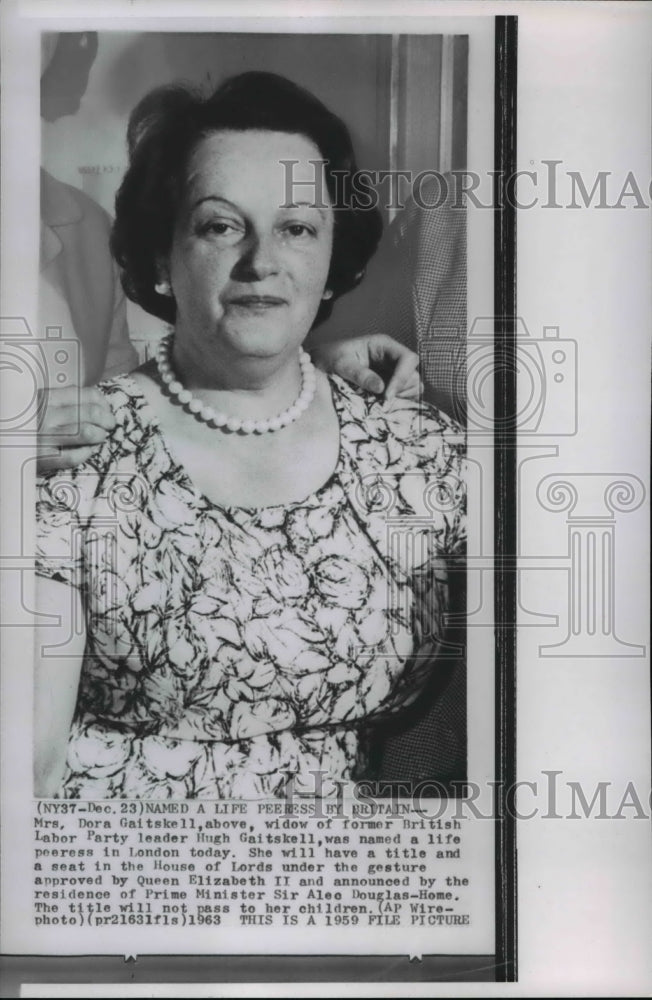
column 163, row 286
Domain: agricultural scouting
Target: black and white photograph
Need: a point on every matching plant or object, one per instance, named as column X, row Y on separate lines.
column 269, row 608
column 322, row 664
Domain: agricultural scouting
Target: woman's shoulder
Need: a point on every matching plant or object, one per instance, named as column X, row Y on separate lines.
column 413, row 451
column 129, row 407
column 411, row 426
column 131, row 428
column 121, row 392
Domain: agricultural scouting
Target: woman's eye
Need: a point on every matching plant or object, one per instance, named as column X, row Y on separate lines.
column 298, row 229
column 219, row 228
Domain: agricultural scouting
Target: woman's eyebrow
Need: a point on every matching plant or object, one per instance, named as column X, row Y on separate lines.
column 214, row 197
column 323, row 213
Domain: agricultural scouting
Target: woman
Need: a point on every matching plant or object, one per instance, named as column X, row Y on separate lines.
column 247, row 613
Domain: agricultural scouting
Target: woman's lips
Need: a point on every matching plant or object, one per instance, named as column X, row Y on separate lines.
column 257, row 301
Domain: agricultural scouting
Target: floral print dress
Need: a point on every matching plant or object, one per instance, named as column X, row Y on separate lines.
column 241, row 653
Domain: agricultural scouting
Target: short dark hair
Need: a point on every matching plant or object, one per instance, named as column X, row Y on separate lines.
column 166, row 126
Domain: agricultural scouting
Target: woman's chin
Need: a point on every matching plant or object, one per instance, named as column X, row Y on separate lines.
column 257, row 343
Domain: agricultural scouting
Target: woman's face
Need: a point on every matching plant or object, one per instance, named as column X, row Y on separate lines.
column 248, row 265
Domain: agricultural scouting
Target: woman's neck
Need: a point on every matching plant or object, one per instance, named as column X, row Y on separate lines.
column 245, row 386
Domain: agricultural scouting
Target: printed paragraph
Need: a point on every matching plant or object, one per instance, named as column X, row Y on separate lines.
column 246, row 863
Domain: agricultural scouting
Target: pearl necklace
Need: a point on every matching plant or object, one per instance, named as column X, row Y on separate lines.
column 211, row 416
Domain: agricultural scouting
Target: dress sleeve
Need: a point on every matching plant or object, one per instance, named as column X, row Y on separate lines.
column 427, row 548
column 433, row 480
column 62, row 503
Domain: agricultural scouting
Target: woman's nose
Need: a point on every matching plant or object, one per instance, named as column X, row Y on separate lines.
column 259, row 259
